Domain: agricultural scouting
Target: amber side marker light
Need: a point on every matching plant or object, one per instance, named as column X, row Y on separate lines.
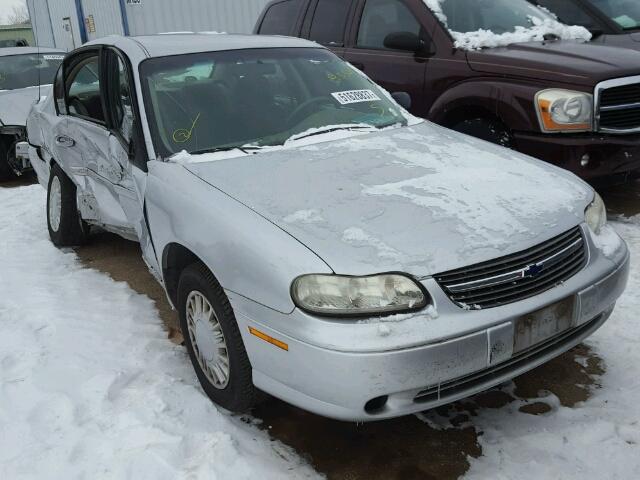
column 268, row 339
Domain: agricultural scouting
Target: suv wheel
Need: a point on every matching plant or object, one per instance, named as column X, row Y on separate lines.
column 213, row 340
column 66, row 227
column 487, row 129
column 6, row 173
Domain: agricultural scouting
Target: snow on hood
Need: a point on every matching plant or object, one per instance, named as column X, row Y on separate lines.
column 488, row 39
column 15, row 105
column 419, row 199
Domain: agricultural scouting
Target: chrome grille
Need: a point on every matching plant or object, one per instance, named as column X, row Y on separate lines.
column 518, row 276
column 618, row 105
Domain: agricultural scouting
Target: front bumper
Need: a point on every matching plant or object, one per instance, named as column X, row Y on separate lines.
column 611, row 158
column 360, row 372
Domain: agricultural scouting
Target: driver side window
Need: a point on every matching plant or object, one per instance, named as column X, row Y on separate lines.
column 83, row 90
column 383, row 17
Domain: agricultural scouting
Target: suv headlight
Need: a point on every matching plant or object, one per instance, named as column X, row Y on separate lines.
column 596, row 214
column 564, row 110
column 340, row 295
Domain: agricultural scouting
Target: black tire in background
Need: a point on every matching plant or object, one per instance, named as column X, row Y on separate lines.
column 239, row 394
column 71, row 229
column 6, row 173
column 487, row 129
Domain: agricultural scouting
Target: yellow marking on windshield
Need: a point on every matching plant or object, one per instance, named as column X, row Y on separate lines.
column 183, row 135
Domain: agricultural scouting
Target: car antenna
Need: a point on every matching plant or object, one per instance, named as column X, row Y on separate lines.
column 35, row 23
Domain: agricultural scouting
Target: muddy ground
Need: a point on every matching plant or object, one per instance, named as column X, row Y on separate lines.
column 406, row 448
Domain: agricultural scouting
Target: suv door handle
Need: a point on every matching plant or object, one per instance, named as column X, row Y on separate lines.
column 64, row 141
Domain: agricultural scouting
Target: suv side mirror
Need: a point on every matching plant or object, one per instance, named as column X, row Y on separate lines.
column 403, row 99
column 407, row 41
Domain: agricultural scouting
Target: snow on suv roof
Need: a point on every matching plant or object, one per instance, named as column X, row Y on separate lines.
column 182, row 43
column 5, row 52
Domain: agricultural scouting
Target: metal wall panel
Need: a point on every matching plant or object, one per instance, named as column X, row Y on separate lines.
column 157, row 16
column 106, row 17
column 59, row 10
column 51, row 28
column 40, row 19
column 144, row 17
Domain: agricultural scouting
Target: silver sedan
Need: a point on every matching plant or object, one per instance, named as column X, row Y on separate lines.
column 319, row 242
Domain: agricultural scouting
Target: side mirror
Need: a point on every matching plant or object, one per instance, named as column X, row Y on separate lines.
column 407, row 41
column 403, row 99
column 596, row 32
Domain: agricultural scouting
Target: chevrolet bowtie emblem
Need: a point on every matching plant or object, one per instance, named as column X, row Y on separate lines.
column 532, row 271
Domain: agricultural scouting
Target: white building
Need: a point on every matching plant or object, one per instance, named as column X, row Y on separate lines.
column 67, row 24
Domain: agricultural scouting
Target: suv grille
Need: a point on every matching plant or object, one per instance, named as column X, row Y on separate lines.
column 518, row 276
column 619, row 105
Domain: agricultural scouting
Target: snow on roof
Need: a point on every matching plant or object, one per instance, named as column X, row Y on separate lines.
column 482, row 38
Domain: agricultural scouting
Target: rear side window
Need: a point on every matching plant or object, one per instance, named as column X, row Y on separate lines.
column 280, row 18
column 383, row 17
column 329, row 22
column 83, row 90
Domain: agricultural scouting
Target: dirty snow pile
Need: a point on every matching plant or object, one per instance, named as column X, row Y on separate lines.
column 89, row 385
column 598, row 439
column 483, row 38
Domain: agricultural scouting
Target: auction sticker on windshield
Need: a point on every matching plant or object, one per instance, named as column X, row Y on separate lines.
column 53, row 57
column 355, row 96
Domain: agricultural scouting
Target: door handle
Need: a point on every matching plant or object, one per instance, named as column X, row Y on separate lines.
column 64, row 141
column 358, row 65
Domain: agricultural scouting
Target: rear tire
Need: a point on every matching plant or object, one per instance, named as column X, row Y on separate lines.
column 493, row 131
column 66, row 227
column 213, row 340
column 6, row 173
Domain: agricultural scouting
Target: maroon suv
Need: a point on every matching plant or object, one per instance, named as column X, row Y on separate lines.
column 569, row 102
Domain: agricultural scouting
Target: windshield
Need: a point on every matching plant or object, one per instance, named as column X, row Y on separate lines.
column 498, row 16
column 625, row 13
column 220, row 100
column 22, row 71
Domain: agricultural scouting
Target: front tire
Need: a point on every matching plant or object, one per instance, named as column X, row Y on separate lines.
column 66, row 227
column 487, row 129
column 213, row 340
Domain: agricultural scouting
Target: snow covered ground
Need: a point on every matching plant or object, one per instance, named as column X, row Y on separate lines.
column 91, row 388
column 599, row 439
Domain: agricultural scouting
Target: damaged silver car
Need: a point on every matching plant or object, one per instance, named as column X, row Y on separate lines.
column 25, row 74
column 319, row 243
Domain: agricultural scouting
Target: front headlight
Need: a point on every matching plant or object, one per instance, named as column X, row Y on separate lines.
column 564, row 111
column 596, row 214
column 357, row 296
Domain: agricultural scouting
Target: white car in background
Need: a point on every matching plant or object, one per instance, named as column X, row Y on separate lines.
column 26, row 73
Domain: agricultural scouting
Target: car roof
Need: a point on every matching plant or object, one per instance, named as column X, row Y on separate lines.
column 5, row 52
column 181, row 43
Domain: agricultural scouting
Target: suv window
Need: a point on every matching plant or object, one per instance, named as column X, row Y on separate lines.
column 329, row 22
column 280, row 18
column 83, row 90
column 567, row 12
column 383, row 17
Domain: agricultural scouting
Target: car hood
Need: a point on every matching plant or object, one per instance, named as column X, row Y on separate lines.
column 16, row 104
column 421, row 199
column 558, row 61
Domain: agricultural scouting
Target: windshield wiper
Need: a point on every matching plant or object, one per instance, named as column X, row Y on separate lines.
column 243, row 149
column 332, row 129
